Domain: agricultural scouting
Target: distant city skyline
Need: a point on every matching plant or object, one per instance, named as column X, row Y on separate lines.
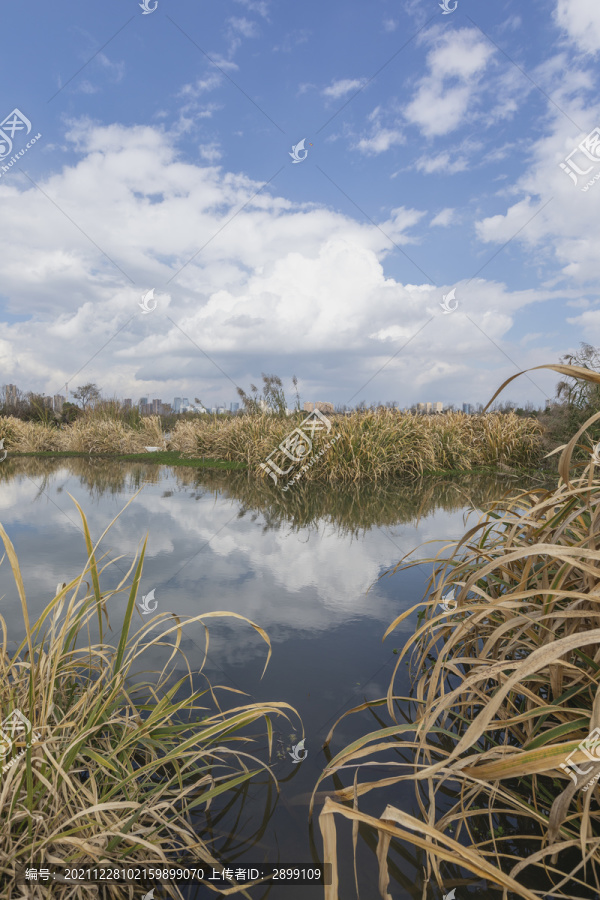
column 156, row 406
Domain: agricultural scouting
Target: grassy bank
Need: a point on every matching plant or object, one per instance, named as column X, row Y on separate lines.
column 160, row 457
column 371, row 446
column 500, row 734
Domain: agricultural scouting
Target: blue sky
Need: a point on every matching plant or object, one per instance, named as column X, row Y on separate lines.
column 434, row 147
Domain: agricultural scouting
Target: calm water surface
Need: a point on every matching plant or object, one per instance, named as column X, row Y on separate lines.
column 304, row 566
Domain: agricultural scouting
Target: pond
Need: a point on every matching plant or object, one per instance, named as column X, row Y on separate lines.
column 305, row 566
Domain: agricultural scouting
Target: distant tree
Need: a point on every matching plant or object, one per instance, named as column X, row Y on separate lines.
column 87, row 393
column 576, row 392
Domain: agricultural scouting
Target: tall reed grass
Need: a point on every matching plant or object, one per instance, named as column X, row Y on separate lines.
column 372, row 446
column 119, row 770
column 91, row 433
column 506, row 686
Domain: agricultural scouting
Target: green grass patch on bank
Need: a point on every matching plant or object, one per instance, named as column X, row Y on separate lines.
column 160, row 457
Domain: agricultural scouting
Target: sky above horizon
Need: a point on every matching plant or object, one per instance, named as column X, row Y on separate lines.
column 427, row 165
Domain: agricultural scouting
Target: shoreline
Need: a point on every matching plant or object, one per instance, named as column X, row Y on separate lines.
column 173, row 458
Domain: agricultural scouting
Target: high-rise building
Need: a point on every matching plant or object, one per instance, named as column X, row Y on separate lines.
column 177, row 404
column 127, row 403
column 11, row 394
column 466, row 408
column 156, row 406
column 143, row 401
column 185, row 402
column 58, row 402
column 438, row 407
column 233, row 407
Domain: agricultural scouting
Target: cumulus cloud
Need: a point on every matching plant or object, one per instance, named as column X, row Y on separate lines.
column 580, row 20
column 445, row 95
column 553, row 215
column 242, row 280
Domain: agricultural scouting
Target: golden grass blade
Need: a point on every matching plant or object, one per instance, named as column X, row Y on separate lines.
column 355, row 831
column 92, row 564
column 14, row 564
column 234, row 615
column 449, row 851
column 578, row 371
column 130, row 606
column 329, row 835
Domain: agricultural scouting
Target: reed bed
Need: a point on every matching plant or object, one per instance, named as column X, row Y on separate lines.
column 375, row 445
column 116, row 770
column 371, row 446
column 505, row 698
column 89, row 434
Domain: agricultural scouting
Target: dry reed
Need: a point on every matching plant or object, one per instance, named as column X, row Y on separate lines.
column 506, row 688
column 372, row 446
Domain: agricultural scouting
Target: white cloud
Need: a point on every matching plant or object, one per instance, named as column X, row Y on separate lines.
column 342, row 87
column 390, row 24
column 460, row 57
column 257, row 6
column 381, row 140
column 275, row 279
column 200, row 86
column 441, row 163
column 381, row 137
column 210, row 152
column 243, row 26
column 444, row 218
column 116, row 69
column 239, row 27
column 580, row 19
column 291, row 40
column 565, row 230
